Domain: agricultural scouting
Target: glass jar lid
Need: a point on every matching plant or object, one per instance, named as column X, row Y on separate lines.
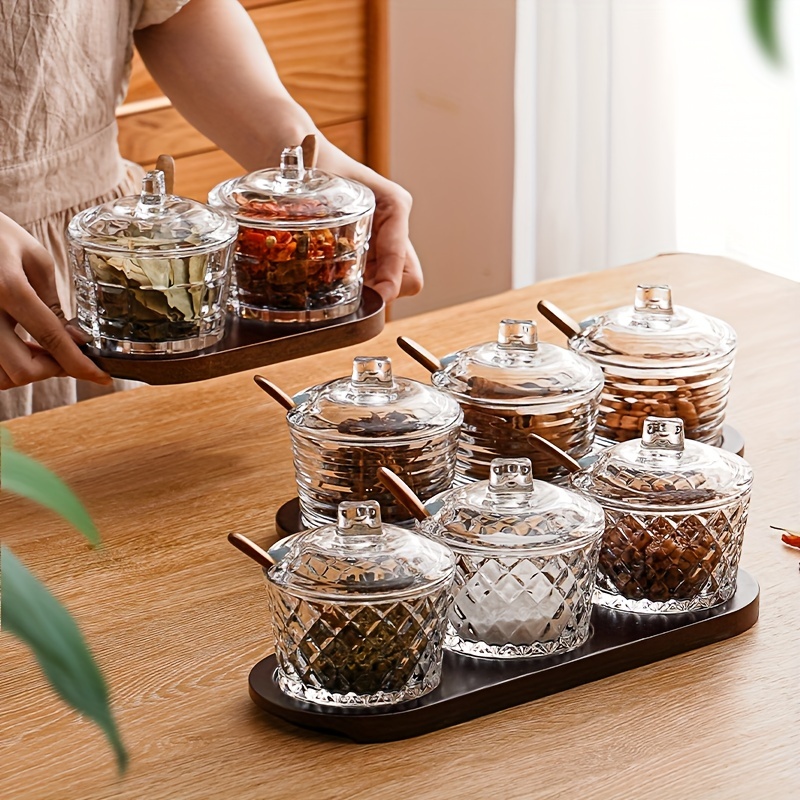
column 360, row 558
column 653, row 332
column 663, row 470
column 518, row 367
column 512, row 511
column 373, row 404
column 292, row 196
column 152, row 223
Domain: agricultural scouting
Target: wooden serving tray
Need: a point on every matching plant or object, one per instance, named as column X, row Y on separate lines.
column 474, row 687
column 248, row 344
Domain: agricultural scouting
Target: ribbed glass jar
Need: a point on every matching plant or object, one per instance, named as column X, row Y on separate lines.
column 660, row 360
column 516, row 386
column 343, row 431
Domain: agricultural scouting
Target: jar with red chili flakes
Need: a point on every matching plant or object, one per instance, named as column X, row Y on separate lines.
column 302, row 243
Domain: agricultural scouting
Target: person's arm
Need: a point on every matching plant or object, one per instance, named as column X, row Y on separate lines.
column 28, row 297
column 210, row 61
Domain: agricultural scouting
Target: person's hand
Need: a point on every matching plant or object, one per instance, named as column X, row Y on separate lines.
column 393, row 268
column 28, row 297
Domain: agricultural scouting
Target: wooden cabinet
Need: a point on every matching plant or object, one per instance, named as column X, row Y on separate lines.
column 330, row 55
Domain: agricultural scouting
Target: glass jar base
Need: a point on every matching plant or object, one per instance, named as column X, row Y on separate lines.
column 284, row 315
column 645, row 606
column 173, row 347
column 507, row 651
column 301, row 691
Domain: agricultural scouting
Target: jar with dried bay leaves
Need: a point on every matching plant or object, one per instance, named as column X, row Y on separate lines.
column 675, row 513
column 151, row 272
column 516, row 386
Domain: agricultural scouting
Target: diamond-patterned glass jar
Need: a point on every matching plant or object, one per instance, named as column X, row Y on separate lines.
column 675, row 517
column 358, row 611
column 526, row 563
column 343, row 430
column 516, row 386
column 660, row 360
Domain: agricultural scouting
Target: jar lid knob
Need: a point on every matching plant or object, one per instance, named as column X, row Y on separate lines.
column 154, row 193
column 372, row 371
column 518, row 334
column 292, row 166
column 359, row 517
column 663, row 433
column 653, row 298
column 510, row 480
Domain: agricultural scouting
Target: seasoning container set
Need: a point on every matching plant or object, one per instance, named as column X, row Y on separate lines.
column 155, row 274
column 651, row 526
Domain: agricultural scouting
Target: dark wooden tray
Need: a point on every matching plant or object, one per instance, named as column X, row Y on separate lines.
column 474, row 687
column 249, row 344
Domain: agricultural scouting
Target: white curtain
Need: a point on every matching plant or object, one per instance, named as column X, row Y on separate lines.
column 656, row 126
column 605, row 177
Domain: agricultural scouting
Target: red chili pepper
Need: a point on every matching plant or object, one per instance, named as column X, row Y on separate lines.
column 788, row 537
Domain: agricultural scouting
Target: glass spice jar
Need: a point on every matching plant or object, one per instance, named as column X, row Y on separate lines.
column 516, row 386
column 343, row 430
column 675, row 514
column 302, row 243
column 526, row 561
column 151, row 272
column 661, row 360
column 358, row 611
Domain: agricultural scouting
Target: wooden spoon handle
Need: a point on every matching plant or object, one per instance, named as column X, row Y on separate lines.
column 167, row 165
column 403, row 493
column 419, row 354
column 563, row 321
column 275, row 392
column 564, row 459
column 249, row 548
column 309, row 145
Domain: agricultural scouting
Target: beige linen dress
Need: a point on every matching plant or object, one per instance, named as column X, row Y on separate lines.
column 64, row 68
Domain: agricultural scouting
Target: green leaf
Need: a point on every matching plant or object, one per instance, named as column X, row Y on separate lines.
column 26, row 477
column 763, row 19
column 33, row 615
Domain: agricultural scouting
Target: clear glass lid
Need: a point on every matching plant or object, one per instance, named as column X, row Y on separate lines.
column 664, row 469
column 374, row 404
column 361, row 559
column 518, row 367
column 511, row 511
column 291, row 196
column 152, row 223
column 654, row 331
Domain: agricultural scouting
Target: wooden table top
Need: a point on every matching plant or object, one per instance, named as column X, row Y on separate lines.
column 176, row 617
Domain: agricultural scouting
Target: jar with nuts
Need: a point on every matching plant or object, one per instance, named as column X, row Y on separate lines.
column 516, row 386
column 662, row 360
column 675, row 513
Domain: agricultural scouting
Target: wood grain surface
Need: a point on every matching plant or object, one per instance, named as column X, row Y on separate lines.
column 319, row 48
column 177, row 617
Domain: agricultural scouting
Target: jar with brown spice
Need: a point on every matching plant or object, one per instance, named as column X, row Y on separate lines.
column 662, row 360
column 343, row 430
column 516, row 386
column 675, row 514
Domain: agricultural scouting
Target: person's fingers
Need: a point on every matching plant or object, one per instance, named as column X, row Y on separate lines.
column 44, row 326
column 40, row 270
column 22, row 363
column 79, row 336
column 413, row 280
